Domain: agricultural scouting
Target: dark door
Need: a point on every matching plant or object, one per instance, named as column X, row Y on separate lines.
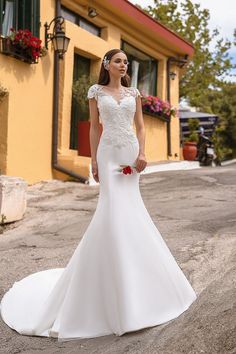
column 81, row 67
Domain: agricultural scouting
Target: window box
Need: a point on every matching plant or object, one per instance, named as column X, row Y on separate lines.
column 22, row 45
column 160, row 116
column 155, row 107
column 16, row 51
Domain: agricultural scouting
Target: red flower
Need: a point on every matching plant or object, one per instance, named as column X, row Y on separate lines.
column 28, row 42
column 155, row 105
column 127, row 170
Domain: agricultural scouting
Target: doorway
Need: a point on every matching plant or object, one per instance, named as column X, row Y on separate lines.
column 81, row 67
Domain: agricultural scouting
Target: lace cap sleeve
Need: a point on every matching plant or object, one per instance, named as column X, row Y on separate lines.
column 137, row 93
column 93, row 92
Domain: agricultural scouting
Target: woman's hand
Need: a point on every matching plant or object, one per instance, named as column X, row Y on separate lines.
column 141, row 162
column 95, row 170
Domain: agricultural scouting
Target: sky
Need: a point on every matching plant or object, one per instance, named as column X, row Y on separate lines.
column 222, row 16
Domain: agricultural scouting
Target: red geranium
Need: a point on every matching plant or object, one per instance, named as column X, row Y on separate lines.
column 28, row 42
column 154, row 104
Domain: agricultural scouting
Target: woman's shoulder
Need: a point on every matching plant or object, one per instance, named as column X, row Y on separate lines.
column 134, row 91
column 93, row 91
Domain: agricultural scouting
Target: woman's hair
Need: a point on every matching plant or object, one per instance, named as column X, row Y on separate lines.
column 104, row 77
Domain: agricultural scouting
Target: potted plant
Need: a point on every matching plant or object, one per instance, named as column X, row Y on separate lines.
column 156, row 107
column 79, row 91
column 22, row 45
column 190, row 142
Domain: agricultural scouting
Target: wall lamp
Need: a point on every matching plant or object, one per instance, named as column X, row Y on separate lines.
column 172, row 75
column 58, row 37
column 180, row 62
column 92, row 12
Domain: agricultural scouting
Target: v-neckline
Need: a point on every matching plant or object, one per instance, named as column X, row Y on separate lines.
column 108, row 94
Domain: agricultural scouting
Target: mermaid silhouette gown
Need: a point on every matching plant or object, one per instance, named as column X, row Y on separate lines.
column 122, row 276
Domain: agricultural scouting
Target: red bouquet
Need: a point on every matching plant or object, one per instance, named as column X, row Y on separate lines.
column 127, row 170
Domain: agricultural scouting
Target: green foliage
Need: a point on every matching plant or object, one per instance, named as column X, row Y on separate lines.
column 223, row 103
column 193, row 125
column 79, row 91
column 206, row 68
column 203, row 83
column 193, row 137
column 222, row 152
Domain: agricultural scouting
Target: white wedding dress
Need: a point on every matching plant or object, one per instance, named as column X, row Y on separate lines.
column 122, row 276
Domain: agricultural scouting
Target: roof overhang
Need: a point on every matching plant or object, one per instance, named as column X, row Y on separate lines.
column 150, row 27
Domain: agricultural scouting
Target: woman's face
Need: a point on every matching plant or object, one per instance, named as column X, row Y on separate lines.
column 118, row 65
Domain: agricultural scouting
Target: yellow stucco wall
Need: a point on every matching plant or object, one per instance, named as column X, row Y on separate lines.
column 156, row 136
column 27, row 122
column 3, row 134
column 29, row 117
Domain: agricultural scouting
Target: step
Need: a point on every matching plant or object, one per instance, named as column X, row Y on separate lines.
column 12, row 198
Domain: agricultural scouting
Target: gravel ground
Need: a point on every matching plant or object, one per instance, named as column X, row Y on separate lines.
column 195, row 210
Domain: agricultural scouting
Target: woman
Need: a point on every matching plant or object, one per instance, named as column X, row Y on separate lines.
column 122, row 277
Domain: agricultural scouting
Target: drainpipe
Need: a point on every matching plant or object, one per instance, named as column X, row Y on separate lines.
column 180, row 62
column 55, row 164
column 168, row 99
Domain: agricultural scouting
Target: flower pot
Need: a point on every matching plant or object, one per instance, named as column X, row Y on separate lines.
column 190, row 150
column 16, row 51
column 158, row 115
column 83, row 138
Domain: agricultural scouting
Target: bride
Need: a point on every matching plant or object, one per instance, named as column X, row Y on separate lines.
column 122, row 276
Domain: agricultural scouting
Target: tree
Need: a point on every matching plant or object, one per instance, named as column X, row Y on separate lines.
column 223, row 102
column 207, row 69
column 204, row 82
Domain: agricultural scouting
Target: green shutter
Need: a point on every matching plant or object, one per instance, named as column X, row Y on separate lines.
column 81, row 67
column 1, row 15
column 20, row 14
column 27, row 14
column 15, row 14
column 36, row 17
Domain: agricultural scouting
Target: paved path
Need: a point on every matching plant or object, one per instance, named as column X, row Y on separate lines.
column 196, row 213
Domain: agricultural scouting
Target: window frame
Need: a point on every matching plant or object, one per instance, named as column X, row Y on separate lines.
column 75, row 109
column 123, row 42
column 34, row 16
column 79, row 18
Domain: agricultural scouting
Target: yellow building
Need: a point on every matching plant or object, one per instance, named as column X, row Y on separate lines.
column 39, row 118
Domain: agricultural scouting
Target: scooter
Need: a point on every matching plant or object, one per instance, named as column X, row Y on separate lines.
column 206, row 153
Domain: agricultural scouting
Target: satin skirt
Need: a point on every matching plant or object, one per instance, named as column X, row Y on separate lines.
column 121, row 277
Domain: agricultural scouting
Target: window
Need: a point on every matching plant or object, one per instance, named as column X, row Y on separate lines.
column 80, row 21
column 19, row 14
column 81, row 67
column 142, row 69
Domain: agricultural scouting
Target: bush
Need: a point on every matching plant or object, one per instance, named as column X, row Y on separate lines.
column 193, row 125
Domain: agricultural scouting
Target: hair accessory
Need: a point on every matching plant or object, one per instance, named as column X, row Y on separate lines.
column 105, row 62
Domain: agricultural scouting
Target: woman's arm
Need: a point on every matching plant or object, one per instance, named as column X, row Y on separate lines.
column 94, row 135
column 141, row 161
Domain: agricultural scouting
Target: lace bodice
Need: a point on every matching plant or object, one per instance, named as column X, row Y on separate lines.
column 116, row 116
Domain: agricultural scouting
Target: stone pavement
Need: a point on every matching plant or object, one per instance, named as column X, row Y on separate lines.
column 195, row 210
